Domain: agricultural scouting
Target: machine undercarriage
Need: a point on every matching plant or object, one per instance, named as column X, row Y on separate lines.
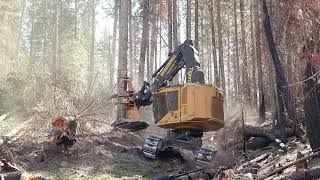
column 182, row 139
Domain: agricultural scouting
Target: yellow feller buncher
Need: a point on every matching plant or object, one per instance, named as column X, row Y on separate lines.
column 187, row 110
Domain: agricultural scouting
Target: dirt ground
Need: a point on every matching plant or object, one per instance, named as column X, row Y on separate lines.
column 104, row 153
column 107, row 155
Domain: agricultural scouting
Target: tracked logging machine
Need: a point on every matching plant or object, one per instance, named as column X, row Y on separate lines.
column 187, row 110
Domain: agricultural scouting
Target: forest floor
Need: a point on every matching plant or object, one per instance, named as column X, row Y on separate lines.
column 108, row 155
column 116, row 154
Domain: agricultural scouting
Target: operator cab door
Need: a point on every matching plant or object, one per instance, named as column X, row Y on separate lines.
column 166, row 106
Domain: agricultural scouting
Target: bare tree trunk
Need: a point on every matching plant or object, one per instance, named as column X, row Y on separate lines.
column 145, row 39
column 169, row 4
column 123, row 43
column 175, row 31
column 213, row 39
column 253, row 58
column 201, row 40
column 236, row 73
column 45, row 44
column 259, row 62
column 245, row 79
column 156, row 41
column 114, row 39
column 75, row 19
column 105, row 53
column 60, row 59
column 153, row 42
column 220, row 42
column 15, row 60
column 55, row 49
column 160, row 44
column 229, row 59
column 208, row 47
column 32, row 31
column 188, row 19
column 130, row 41
column 196, row 24
column 92, row 49
column 175, row 23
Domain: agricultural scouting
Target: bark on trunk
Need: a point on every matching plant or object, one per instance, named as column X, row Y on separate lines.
column 262, row 111
column 169, row 4
column 153, row 37
column 175, row 23
column 196, row 24
column 245, row 80
column 123, row 43
column 175, row 32
column 220, row 42
column 130, row 41
column 253, row 58
column 114, row 39
column 75, row 31
column 145, row 39
column 92, row 49
column 15, row 60
column 213, row 41
column 236, row 71
column 188, row 19
column 312, row 106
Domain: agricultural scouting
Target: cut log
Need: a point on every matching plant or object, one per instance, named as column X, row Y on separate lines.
column 251, row 131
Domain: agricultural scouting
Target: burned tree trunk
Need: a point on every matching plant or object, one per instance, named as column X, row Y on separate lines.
column 282, row 82
column 312, row 106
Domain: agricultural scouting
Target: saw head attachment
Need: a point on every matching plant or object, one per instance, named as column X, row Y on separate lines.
column 130, row 124
column 131, row 120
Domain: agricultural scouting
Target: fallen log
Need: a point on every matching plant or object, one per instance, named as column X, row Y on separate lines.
column 289, row 165
column 251, row 131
